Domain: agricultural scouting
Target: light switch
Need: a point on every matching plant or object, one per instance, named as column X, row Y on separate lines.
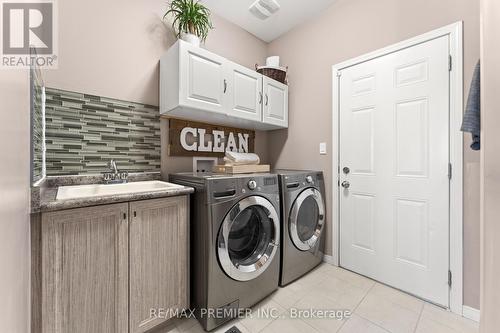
column 322, row 148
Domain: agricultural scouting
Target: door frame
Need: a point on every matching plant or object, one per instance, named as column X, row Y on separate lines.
column 455, row 33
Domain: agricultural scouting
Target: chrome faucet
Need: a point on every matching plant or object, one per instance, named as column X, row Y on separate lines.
column 114, row 176
column 112, row 166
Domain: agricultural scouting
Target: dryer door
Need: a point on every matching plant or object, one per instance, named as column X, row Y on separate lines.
column 248, row 238
column 307, row 218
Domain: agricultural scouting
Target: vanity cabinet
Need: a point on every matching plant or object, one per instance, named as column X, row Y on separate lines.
column 85, row 270
column 158, row 260
column 196, row 84
column 104, row 268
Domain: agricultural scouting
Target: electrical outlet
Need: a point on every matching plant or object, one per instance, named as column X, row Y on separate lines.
column 322, row 148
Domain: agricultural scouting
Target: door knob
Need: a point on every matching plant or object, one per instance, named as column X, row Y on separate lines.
column 346, row 184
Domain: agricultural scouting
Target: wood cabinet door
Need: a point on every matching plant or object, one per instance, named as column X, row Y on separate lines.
column 275, row 103
column 202, row 79
column 85, row 270
column 159, row 275
column 244, row 93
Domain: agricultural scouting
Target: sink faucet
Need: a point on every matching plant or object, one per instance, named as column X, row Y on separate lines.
column 114, row 176
column 112, row 166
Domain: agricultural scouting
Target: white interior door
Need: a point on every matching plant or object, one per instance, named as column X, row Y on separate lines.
column 394, row 139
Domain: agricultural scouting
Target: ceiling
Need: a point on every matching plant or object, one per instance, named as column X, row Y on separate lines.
column 291, row 14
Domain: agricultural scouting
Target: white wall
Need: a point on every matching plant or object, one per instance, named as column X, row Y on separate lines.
column 112, row 48
column 14, row 201
column 490, row 172
column 350, row 28
column 114, row 52
column 108, row 48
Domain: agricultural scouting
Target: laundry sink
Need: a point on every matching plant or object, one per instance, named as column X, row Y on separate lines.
column 97, row 190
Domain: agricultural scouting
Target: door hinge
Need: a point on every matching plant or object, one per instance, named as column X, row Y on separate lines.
column 450, row 170
column 450, row 62
column 339, row 74
column 449, row 278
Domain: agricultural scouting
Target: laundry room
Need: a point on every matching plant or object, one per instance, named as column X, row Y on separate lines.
column 249, row 166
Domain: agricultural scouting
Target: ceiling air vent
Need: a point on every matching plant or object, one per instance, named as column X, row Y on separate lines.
column 263, row 9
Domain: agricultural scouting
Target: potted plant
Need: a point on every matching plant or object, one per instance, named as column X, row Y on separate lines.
column 191, row 20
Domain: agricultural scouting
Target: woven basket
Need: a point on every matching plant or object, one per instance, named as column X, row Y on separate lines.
column 277, row 74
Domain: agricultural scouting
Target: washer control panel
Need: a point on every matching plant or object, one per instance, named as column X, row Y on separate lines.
column 252, row 184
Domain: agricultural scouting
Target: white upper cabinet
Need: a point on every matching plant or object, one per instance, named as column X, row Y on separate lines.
column 191, row 77
column 275, row 103
column 198, row 85
column 245, row 93
column 202, row 78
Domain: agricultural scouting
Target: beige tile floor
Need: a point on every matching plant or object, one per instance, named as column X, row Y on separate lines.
column 375, row 309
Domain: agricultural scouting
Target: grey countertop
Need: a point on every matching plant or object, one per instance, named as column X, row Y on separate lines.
column 44, row 196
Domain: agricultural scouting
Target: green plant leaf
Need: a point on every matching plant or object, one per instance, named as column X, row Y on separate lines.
column 190, row 16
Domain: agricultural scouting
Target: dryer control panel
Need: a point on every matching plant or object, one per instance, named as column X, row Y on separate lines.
column 298, row 181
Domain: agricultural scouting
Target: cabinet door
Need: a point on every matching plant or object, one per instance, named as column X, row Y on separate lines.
column 85, row 270
column 275, row 103
column 203, row 83
column 159, row 276
column 244, row 93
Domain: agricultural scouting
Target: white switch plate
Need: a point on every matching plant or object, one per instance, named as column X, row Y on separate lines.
column 322, row 148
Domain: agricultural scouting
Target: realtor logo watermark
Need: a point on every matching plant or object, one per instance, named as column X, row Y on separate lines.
column 29, row 34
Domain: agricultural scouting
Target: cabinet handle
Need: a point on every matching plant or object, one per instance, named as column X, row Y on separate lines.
column 135, row 214
column 124, row 216
column 260, row 97
column 225, row 86
column 267, row 99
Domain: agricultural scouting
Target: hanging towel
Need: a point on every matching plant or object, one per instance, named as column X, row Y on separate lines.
column 472, row 115
column 233, row 158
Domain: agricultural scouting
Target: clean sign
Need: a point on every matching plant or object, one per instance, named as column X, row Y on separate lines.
column 187, row 138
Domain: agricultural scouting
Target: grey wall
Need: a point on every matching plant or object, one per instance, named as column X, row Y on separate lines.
column 350, row 28
column 83, row 132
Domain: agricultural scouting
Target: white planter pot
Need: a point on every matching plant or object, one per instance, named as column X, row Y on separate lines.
column 191, row 39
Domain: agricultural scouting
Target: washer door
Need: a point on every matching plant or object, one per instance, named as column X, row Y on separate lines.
column 248, row 238
column 307, row 218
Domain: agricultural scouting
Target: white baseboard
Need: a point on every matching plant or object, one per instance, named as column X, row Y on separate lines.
column 329, row 260
column 471, row 313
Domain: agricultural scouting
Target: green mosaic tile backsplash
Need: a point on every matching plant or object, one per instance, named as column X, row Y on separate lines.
column 36, row 125
column 83, row 132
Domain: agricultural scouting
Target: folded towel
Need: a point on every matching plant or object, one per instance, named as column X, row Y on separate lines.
column 472, row 115
column 233, row 158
